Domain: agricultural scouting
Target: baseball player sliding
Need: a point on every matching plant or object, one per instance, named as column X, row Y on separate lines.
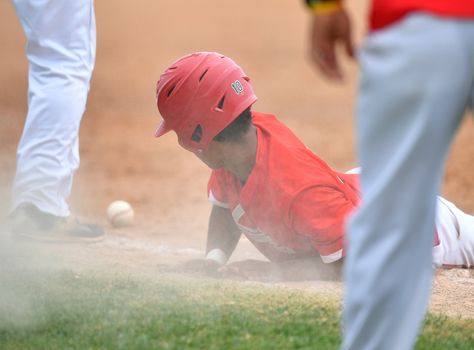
column 265, row 183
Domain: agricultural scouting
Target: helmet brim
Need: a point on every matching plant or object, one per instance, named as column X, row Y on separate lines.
column 162, row 129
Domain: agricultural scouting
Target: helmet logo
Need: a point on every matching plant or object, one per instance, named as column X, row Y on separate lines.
column 237, row 87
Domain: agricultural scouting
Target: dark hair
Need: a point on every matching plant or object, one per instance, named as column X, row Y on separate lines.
column 235, row 130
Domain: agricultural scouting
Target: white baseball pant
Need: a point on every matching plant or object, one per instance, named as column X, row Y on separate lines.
column 61, row 43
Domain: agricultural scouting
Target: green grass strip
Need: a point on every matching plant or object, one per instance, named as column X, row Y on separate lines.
column 64, row 310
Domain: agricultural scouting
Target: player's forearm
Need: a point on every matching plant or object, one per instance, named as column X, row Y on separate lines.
column 223, row 235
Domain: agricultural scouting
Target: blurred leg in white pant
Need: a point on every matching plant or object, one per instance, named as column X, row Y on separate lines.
column 61, row 54
column 61, row 43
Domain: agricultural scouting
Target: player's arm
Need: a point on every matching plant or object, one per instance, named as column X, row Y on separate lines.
column 330, row 27
column 222, row 236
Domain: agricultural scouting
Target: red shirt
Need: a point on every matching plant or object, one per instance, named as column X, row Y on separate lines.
column 293, row 204
column 386, row 12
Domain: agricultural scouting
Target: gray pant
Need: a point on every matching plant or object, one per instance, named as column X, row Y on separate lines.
column 416, row 83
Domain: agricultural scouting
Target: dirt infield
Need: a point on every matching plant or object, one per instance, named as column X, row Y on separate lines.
column 166, row 185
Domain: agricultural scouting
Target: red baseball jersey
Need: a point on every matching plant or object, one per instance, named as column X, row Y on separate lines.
column 386, row 12
column 292, row 204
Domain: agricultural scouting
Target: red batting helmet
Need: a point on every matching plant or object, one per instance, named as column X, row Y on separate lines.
column 199, row 95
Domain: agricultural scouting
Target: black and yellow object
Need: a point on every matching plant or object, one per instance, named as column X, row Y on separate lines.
column 324, row 6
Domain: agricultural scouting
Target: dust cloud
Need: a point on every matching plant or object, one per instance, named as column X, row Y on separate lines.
column 27, row 269
column 21, row 267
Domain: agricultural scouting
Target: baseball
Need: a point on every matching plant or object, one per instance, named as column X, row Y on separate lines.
column 120, row 214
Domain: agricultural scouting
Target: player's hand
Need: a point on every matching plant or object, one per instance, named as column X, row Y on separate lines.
column 327, row 32
column 250, row 269
column 207, row 267
column 212, row 268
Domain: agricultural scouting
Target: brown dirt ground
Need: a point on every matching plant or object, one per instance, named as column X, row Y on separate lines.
column 166, row 185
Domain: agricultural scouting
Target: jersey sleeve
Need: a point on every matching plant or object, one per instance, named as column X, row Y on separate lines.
column 216, row 189
column 320, row 213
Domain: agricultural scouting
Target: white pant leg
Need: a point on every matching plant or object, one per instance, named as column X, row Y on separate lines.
column 415, row 84
column 455, row 231
column 456, row 236
column 61, row 40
